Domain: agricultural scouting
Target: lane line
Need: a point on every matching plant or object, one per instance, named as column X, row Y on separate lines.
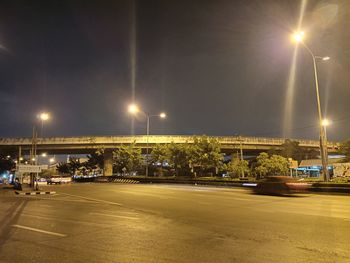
column 124, row 217
column 122, row 212
column 145, row 194
column 39, row 230
column 50, row 218
column 71, row 200
column 93, row 199
column 243, row 199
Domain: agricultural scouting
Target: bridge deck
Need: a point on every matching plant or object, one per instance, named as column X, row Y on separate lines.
column 95, row 142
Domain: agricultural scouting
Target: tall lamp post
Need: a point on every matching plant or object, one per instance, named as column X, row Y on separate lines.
column 298, row 37
column 134, row 109
column 44, row 116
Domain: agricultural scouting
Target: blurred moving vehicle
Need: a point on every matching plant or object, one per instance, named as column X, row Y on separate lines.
column 281, row 185
column 58, row 180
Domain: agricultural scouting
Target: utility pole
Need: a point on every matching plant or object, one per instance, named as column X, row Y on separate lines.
column 241, row 154
column 148, row 120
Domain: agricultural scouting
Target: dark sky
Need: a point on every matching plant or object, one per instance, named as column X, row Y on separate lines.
column 216, row 67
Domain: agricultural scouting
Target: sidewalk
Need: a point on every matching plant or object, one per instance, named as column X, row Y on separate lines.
column 6, row 190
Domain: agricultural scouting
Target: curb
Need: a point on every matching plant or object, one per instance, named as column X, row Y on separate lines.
column 34, row 193
column 330, row 189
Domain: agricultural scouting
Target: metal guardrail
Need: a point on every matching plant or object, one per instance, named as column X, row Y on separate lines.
column 156, row 139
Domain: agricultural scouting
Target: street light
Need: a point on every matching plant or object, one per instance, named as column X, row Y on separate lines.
column 133, row 109
column 325, row 122
column 298, row 37
column 44, row 116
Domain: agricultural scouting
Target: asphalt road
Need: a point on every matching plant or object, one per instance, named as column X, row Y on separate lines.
column 172, row 223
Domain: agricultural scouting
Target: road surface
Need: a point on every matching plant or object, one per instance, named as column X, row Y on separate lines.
column 172, row 223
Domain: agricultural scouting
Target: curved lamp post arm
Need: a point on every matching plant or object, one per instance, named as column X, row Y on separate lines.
column 316, row 82
column 323, row 139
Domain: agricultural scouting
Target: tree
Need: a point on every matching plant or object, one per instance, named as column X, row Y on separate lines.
column 71, row 167
column 278, row 165
column 237, row 167
column 63, row 168
column 7, row 154
column 291, row 149
column 6, row 164
column 127, row 157
column 160, row 154
column 95, row 161
column 179, row 157
column 206, row 153
column 271, row 165
column 262, row 165
column 74, row 165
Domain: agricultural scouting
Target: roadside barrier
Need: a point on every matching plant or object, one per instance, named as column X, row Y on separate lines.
column 124, row 181
column 34, row 193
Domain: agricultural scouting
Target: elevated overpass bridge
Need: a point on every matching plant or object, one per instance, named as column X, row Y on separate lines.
column 86, row 145
column 82, row 145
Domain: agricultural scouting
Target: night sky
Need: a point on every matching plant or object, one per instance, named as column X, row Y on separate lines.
column 215, row 67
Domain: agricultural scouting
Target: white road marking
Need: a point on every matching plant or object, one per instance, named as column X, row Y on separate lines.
column 39, row 230
column 71, row 200
column 93, row 199
column 243, row 199
column 145, row 194
column 123, row 212
column 125, row 217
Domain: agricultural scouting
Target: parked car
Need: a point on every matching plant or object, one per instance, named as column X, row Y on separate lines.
column 59, row 180
column 280, row 185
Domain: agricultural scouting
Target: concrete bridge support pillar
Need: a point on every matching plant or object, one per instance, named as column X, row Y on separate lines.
column 108, row 162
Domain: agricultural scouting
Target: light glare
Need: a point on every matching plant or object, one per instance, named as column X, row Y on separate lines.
column 133, row 109
column 298, row 36
column 325, row 122
column 44, row 116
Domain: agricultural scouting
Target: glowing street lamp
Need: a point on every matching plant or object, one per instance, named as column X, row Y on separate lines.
column 325, row 122
column 298, row 37
column 133, row 109
column 43, row 117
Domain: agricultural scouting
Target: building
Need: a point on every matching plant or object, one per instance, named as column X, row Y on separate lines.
column 313, row 167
